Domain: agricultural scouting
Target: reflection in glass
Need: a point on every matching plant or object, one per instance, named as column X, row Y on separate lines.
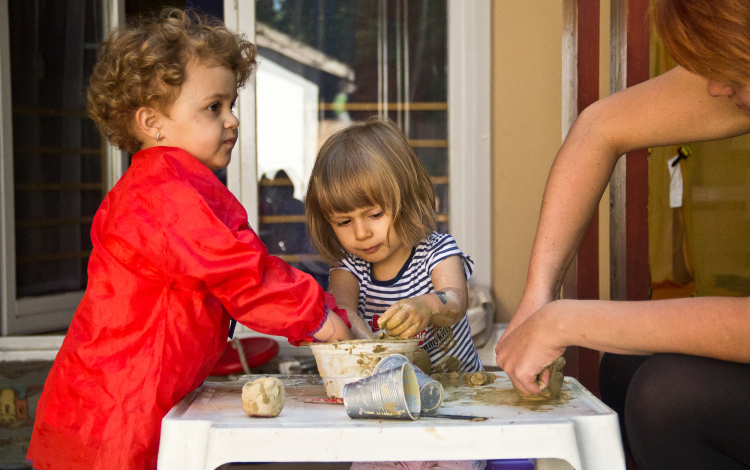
column 57, row 150
column 324, row 64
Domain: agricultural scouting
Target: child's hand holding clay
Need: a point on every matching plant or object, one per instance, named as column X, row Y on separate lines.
column 407, row 317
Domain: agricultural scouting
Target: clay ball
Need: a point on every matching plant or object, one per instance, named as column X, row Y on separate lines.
column 474, row 379
column 263, row 397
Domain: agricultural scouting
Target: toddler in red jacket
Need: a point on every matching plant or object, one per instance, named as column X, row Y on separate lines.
column 173, row 257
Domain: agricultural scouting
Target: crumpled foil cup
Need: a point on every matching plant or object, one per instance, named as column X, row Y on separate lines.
column 430, row 390
column 390, row 394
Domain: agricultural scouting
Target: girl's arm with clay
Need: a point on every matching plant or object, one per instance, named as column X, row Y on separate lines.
column 333, row 329
column 446, row 306
column 344, row 287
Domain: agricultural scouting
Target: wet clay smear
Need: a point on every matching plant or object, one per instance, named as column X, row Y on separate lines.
column 502, row 396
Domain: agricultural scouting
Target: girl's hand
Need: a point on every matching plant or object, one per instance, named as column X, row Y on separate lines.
column 446, row 306
column 360, row 329
column 345, row 289
column 407, row 317
column 334, row 329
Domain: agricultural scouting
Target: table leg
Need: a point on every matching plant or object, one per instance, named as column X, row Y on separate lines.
column 183, row 445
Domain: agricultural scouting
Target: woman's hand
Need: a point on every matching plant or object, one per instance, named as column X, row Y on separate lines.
column 407, row 317
column 529, row 305
column 525, row 352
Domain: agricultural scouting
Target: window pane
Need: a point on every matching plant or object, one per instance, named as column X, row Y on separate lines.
column 324, row 64
column 57, row 151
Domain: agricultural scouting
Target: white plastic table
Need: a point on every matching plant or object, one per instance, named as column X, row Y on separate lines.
column 208, row 429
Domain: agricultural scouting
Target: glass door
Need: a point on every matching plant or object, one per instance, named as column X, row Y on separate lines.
column 54, row 159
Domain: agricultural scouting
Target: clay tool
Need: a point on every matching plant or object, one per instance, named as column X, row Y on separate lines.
column 325, row 401
column 464, row 417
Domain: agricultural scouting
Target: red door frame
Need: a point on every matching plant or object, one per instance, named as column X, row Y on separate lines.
column 583, row 363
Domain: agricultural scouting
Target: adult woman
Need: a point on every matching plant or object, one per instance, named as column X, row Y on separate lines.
column 686, row 409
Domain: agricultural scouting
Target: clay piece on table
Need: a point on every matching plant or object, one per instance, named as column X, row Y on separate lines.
column 451, row 364
column 479, row 378
column 263, row 397
column 449, row 378
column 552, row 390
column 422, row 360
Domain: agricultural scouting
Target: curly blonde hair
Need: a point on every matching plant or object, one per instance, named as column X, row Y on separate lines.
column 144, row 64
column 366, row 164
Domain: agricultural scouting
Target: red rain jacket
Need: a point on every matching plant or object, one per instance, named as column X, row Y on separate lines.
column 173, row 257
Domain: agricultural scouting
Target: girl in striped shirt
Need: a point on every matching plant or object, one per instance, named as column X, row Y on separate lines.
column 371, row 215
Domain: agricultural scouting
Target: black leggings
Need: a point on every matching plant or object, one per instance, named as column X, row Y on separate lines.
column 680, row 412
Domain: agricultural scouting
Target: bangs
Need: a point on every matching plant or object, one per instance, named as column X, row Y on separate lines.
column 363, row 165
column 356, row 182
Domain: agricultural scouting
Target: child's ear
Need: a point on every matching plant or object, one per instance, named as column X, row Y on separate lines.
column 148, row 124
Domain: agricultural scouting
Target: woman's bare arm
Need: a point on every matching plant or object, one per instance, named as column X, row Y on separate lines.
column 717, row 327
column 673, row 108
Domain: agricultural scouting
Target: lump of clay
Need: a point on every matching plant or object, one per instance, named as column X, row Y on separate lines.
column 450, row 378
column 476, row 379
column 263, row 397
column 555, row 382
column 422, row 360
column 451, row 364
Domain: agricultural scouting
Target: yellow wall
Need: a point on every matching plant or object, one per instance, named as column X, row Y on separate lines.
column 527, row 132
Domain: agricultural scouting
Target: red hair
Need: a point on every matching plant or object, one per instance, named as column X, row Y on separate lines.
column 708, row 37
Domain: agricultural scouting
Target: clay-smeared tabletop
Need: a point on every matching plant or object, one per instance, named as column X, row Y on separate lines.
column 208, row 428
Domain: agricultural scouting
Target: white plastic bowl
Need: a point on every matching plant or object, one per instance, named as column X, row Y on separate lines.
column 343, row 362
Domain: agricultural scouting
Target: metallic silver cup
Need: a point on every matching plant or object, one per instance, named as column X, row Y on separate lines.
column 390, row 394
column 430, row 390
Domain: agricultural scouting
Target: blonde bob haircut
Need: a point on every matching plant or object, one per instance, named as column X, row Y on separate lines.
column 367, row 164
column 144, row 64
column 710, row 38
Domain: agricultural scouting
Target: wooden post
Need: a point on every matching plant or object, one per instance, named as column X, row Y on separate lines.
column 582, row 278
column 630, row 275
column 638, row 275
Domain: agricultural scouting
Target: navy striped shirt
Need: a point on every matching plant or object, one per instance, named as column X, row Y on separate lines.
column 414, row 280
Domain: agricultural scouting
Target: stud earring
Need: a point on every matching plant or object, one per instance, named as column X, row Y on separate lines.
column 157, row 136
